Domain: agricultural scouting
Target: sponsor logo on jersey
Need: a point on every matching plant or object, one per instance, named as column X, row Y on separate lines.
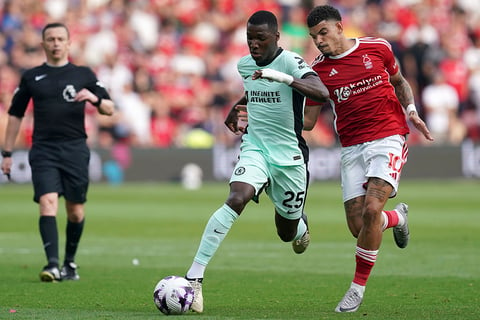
column 292, row 211
column 343, row 93
column 239, row 171
column 264, row 96
column 301, row 63
column 40, row 77
column 100, row 84
column 367, row 62
column 69, row 93
column 333, row 72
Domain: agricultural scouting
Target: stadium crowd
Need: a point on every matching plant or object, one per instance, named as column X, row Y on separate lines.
column 170, row 65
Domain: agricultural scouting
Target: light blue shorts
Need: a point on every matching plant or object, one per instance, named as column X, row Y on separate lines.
column 286, row 186
column 383, row 158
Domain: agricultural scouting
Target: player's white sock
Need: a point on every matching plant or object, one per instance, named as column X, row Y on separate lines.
column 301, row 228
column 360, row 289
column 385, row 220
column 196, row 271
column 401, row 219
column 215, row 231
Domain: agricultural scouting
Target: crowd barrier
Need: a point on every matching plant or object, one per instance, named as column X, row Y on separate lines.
column 162, row 165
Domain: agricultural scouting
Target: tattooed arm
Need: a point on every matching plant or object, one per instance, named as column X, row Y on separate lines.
column 405, row 96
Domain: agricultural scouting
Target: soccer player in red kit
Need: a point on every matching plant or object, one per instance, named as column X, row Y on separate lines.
column 368, row 95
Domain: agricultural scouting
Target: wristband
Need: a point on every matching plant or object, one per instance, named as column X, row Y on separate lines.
column 411, row 107
column 6, row 154
column 277, row 76
column 97, row 104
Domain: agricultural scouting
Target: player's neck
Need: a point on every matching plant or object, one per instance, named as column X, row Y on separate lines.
column 57, row 64
column 345, row 45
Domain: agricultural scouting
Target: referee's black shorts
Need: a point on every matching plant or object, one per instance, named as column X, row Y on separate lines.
column 60, row 167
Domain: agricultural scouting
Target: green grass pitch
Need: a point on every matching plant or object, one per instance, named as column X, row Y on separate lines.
column 253, row 275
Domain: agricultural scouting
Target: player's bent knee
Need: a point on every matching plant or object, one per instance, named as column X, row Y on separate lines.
column 237, row 202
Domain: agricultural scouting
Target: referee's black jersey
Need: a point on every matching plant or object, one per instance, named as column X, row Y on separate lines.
column 57, row 116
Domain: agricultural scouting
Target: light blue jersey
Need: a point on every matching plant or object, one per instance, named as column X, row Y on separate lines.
column 275, row 111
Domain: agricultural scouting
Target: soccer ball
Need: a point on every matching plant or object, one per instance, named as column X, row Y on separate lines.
column 173, row 295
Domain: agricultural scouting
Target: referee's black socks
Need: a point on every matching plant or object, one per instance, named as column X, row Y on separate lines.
column 49, row 234
column 73, row 234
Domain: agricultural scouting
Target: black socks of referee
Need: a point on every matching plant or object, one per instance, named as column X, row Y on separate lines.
column 49, row 234
column 74, row 233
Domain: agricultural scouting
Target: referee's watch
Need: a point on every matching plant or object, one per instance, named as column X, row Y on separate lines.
column 6, row 154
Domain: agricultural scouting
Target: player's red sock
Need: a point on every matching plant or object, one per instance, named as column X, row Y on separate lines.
column 365, row 261
column 391, row 219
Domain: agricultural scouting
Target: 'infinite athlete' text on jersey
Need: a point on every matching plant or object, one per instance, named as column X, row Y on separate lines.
column 275, row 110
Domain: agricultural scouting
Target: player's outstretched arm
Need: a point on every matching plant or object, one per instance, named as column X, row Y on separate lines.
column 417, row 122
column 311, row 86
column 405, row 96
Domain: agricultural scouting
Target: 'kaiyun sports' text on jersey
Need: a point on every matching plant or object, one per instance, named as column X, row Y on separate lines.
column 275, row 110
column 56, row 115
column 362, row 97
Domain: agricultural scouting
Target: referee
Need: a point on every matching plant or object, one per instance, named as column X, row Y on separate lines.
column 59, row 156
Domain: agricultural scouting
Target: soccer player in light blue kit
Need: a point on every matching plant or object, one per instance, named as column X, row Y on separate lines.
column 273, row 154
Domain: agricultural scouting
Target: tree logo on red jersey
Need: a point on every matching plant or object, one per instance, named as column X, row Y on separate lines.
column 367, row 62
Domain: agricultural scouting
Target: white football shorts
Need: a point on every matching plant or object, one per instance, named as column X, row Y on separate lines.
column 383, row 158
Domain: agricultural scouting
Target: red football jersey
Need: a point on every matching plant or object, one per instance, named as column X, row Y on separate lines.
column 362, row 97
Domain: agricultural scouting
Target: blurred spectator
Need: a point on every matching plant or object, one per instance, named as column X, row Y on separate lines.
column 177, row 59
column 294, row 32
column 145, row 25
column 453, row 65
column 164, row 128
column 135, row 116
column 441, row 103
column 420, row 39
column 114, row 74
column 471, row 116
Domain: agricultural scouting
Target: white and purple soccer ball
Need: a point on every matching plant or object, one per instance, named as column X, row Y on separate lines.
column 173, row 295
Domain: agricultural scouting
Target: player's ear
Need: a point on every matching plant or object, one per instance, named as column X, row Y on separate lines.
column 339, row 26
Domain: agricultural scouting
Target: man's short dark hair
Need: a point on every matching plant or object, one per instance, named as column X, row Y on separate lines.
column 54, row 25
column 264, row 17
column 321, row 13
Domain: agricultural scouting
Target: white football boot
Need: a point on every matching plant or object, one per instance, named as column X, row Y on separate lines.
column 197, row 304
column 401, row 234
